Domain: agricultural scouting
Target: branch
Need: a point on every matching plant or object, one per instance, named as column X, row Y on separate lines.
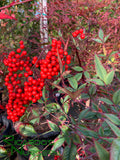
column 14, row 4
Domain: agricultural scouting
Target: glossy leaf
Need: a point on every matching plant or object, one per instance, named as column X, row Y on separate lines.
column 57, row 144
column 78, row 76
column 113, row 118
column 66, row 107
column 100, row 70
column 97, row 40
column 114, row 128
column 116, row 97
column 101, row 34
column 35, row 113
column 92, row 89
column 109, row 77
column 73, row 82
column 87, row 75
column 53, row 126
column 3, row 152
column 97, row 82
column 82, row 114
column 107, row 101
column 106, row 38
column 115, row 149
column 77, row 68
column 27, row 130
column 103, row 154
column 70, row 152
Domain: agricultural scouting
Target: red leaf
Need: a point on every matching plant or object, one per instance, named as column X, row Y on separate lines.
column 5, row 16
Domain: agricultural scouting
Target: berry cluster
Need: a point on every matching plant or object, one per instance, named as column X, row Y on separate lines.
column 77, row 32
column 21, row 85
column 19, row 82
column 50, row 65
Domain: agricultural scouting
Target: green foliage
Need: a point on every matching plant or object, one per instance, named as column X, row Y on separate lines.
column 101, row 151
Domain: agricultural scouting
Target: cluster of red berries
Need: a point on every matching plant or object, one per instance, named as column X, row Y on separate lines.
column 22, row 87
column 19, row 68
column 77, row 32
column 56, row 157
column 49, row 66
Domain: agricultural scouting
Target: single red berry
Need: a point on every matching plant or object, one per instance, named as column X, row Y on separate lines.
column 74, row 34
column 81, row 31
column 22, row 46
column 82, row 36
column 21, row 42
column 18, row 50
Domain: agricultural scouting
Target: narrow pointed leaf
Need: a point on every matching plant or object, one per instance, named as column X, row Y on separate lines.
column 97, row 40
column 57, row 144
column 101, row 34
column 115, row 149
column 103, row 154
column 116, row 97
column 109, row 77
column 114, row 128
column 100, row 70
column 70, row 152
column 73, row 82
column 53, row 126
column 107, row 101
column 113, row 118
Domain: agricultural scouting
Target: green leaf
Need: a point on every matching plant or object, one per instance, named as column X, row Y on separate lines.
column 70, row 152
column 59, row 33
column 3, row 152
column 106, row 38
column 109, row 77
column 115, row 149
column 84, row 96
column 35, row 113
column 110, row 140
column 82, row 114
column 33, row 121
column 107, row 101
column 101, row 34
column 57, row 144
column 82, row 86
column 78, row 76
column 66, row 98
column 97, row 82
column 116, row 97
column 87, row 75
column 77, row 68
column 43, row 93
column 100, row 70
column 103, row 154
column 76, row 138
column 88, row 133
column 92, row 89
column 97, row 40
column 27, row 130
column 114, row 128
column 53, row 126
column 73, row 82
column 40, row 101
column 33, row 149
column 40, row 157
column 113, row 118
column 66, row 107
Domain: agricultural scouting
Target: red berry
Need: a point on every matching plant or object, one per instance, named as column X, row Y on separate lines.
column 74, row 34
column 80, row 30
column 18, row 50
column 21, row 42
column 82, row 36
